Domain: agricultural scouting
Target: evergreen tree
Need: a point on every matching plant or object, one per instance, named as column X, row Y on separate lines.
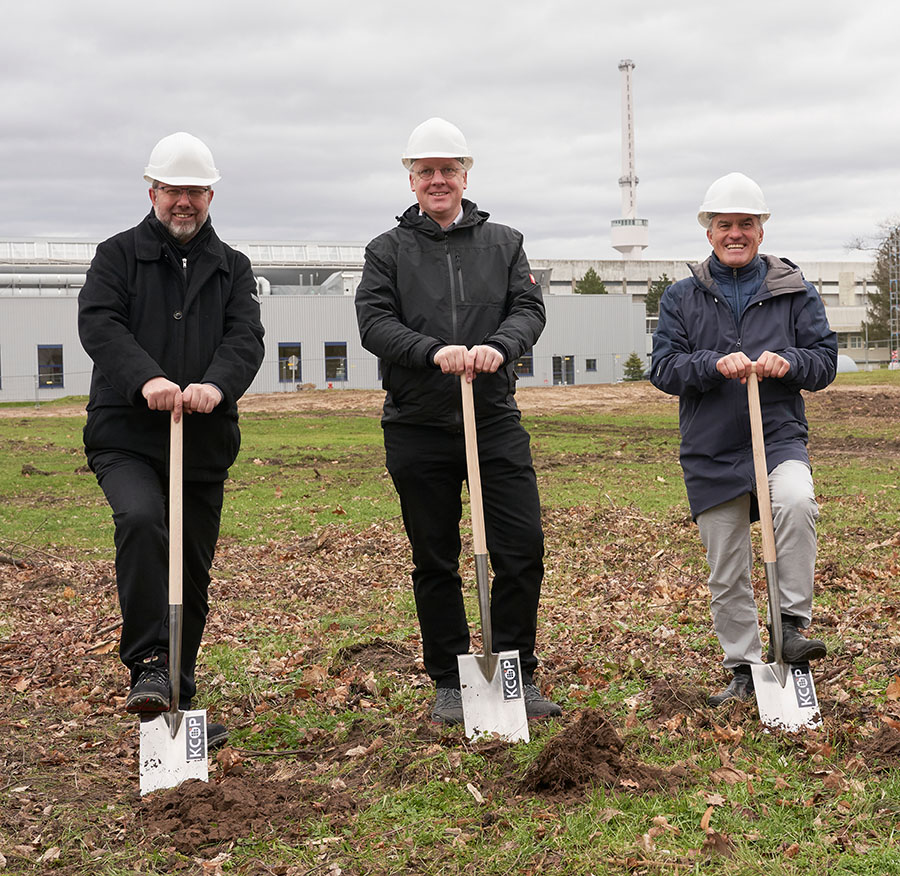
column 634, row 367
column 654, row 293
column 878, row 313
column 590, row 284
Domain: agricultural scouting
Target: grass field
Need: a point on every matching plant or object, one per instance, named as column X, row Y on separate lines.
column 313, row 659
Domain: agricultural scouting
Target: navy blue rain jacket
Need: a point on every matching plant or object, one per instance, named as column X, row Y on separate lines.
column 785, row 315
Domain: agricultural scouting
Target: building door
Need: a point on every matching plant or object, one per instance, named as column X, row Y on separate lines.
column 563, row 370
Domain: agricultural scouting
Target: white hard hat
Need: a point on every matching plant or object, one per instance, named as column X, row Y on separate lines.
column 437, row 138
column 181, row 160
column 733, row 193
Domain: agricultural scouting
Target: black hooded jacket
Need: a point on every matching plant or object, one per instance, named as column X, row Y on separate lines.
column 424, row 287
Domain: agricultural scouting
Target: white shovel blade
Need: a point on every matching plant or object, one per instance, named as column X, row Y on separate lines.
column 167, row 761
column 791, row 707
column 494, row 708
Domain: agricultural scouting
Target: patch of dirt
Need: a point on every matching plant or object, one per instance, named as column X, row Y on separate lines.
column 378, row 655
column 590, row 752
column 197, row 815
column 882, row 751
column 669, row 699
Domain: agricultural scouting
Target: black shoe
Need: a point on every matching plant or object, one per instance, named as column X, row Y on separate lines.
column 447, row 708
column 740, row 688
column 795, row 647
column 150, row 692
column 538, row 706
column 216, row 736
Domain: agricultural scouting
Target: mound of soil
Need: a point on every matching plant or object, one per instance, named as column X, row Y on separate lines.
column 197, row 815
column 590, row 753
column 882, row 751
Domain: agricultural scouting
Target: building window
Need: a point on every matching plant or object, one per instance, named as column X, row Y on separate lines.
column 50, row 365
column 336, row 360
column 525, row 364
column 290, row 368
column 590, row 364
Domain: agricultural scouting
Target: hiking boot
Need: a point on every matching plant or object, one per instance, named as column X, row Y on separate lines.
column 795, row 647
column 150, row 692
column 447, row 707
column 740, row 688
column 538, row 706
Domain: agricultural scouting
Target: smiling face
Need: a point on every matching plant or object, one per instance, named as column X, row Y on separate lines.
column 181, row 213
column 735, row 238
column 439, row 195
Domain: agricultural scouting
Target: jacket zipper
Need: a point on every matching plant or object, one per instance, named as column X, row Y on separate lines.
column 453, row 318
column 462, row 289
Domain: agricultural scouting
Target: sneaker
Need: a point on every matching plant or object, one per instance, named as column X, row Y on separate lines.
column 740, row 688
column 150, row 692
column 447, row 707
column 538, row 706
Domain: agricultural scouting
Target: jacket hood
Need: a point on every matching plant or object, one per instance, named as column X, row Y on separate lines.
column 415, row 219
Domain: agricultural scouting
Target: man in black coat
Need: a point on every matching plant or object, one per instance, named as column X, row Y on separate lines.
column 447, row 294
column 170, row 316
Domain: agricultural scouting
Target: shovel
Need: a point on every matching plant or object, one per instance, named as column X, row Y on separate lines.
column 785, row 693
column 173, row 744
column 493, row 698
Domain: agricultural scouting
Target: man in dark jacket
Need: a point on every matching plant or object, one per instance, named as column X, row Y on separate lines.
column 739, row 307
column 446, row 294
column 170, row 316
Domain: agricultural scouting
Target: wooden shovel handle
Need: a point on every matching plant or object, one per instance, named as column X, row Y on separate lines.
column 759, row 464
column 468, row 409
column 176, row 501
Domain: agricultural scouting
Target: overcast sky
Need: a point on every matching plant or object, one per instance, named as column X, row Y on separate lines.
column 308, row 106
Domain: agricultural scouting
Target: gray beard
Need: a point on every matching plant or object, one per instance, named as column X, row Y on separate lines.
column 180, row 231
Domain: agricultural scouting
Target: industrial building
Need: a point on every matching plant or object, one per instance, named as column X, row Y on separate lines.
column 306, row 290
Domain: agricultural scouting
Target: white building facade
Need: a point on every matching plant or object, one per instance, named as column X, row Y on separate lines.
column 306, row 290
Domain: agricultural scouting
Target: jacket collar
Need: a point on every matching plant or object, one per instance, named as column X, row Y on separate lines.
column 782, row 276
column 414, row 219
column 149, row 245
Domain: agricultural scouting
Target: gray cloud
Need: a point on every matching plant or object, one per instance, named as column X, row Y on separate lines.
column 307, row 109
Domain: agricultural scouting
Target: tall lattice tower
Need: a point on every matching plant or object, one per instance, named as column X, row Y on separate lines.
column 629, row 235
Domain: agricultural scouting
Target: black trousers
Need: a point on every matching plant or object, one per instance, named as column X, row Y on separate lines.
column 137, row 491
column 428, row 467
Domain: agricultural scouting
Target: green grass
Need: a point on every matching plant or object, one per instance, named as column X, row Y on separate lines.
column 302, row 474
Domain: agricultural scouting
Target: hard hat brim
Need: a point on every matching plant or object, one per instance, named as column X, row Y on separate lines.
column 466, row 160
column 180, row 180
column 704, row 217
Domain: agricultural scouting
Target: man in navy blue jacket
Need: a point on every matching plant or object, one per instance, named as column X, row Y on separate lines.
column 739, row 307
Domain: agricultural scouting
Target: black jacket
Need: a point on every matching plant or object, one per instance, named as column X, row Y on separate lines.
column 142, row 313
column 422, row 288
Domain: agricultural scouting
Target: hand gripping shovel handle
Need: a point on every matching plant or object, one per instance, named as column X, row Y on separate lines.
column 176, row 504
column 765, row 512
column 478, row 537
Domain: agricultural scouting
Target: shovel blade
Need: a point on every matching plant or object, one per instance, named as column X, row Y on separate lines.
column 167, row 760
column 495, row 706
column 788, row 705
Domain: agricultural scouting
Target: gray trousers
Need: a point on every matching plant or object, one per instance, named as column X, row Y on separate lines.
column 725, row 531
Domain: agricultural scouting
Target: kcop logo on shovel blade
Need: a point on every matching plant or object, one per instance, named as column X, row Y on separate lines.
column 195, row 737
column 512, row 678
column 803, row 687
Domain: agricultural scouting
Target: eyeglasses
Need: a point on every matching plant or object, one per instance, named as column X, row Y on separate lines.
column 448, row 172
column 176, row 191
